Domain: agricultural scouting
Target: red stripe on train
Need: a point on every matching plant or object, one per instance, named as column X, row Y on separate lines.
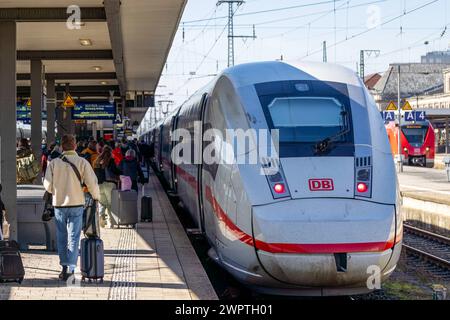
column 292, row 248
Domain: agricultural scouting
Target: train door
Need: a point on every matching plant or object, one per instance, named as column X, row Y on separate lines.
column 173, row 168
column 158, row 148
column 204, row 102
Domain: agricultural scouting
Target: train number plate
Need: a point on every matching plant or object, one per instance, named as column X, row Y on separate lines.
column 417, row 151
column 321, row 185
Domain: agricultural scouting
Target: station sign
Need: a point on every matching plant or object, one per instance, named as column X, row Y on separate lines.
column 94, row 111
column 389, row 114
column 408, row 116
column 118, row 119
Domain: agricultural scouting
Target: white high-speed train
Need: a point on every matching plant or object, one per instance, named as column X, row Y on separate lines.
column 328, row 222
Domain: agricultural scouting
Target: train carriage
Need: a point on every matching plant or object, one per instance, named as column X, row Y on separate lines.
column 417, row 142
column 315, row 215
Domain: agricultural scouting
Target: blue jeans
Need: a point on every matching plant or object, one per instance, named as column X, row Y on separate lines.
column 68, row 232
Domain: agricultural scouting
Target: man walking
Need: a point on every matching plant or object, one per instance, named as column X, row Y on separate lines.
column 69, row 199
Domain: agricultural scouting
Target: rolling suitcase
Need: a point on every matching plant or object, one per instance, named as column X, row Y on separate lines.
column 11, row 266
column 124, row 209
column 146, row 209
column 92, row 262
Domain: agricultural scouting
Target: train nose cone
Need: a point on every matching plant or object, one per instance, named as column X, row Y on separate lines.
column 324, row 242
column 322, row 270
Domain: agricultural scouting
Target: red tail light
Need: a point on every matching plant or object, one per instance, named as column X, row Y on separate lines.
column 362, row 187
column 279, row 188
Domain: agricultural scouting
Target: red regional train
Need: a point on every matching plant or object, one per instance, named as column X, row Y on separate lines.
column 417, row 142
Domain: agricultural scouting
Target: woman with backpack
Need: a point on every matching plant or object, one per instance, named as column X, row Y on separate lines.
column 130, row 167
column 107, row 175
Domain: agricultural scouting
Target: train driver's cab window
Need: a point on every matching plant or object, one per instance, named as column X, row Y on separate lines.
column 415, row 134
column 308, row 119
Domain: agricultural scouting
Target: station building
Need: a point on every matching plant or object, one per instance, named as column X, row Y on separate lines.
column 426, row 86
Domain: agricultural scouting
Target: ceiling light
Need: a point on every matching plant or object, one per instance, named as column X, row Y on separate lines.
column 97, row 68
column 86, row 42
column 103, row 82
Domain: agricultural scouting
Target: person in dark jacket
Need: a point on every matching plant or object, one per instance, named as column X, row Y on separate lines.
column 144, row 148
column 80, row 147
column 2, row 211
column 107, row 175
column 124, row 146
column 130, row 167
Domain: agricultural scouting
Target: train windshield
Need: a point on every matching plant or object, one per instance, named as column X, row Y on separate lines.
column 307, row 119
column 307, row 113
column 415, row 134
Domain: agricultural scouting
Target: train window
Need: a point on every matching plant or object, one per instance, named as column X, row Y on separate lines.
column 307, row 119
column 415, row 134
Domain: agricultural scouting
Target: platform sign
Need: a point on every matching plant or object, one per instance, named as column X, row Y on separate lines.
column 412, row 116
column 94, row 111
column 118, row 119
column 391, row 106
column 420, row 116
column 409, row 116
column 389, row 116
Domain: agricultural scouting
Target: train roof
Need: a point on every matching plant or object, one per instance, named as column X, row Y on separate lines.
column 257, row 72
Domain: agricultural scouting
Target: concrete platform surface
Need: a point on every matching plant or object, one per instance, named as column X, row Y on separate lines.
column 154, row 261
column 426, row 184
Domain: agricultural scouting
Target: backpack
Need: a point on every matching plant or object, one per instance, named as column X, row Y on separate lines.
column 28, row 168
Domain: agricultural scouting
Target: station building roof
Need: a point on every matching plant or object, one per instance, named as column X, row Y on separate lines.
column 128, row 42
column 415, row 79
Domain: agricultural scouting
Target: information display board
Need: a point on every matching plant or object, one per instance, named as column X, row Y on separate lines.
column 94, row 111
column 24, row 113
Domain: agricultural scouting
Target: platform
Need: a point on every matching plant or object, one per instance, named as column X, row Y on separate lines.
column 426, row 198
column 154, row 261
column 425, row 182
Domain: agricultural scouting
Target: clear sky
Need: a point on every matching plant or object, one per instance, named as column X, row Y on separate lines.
column 296, row 29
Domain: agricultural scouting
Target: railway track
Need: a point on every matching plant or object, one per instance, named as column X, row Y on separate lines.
column 428, row 250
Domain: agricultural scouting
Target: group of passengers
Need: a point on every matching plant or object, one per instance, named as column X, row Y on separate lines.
column 100, row 165
column 109, row 160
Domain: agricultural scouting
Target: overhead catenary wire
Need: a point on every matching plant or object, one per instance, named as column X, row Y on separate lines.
column 207, row 54
column 415, row 44
column 371, row 29
column 268, row 10
column 323, row 14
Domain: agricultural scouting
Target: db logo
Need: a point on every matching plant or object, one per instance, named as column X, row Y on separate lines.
column 321, row 185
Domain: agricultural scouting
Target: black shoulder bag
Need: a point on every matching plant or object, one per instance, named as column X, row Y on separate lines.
column 91, row 227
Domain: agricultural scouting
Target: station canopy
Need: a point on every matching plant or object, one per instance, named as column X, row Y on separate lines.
column 121, row 45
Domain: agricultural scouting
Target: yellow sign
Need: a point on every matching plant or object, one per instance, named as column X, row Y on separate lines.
column 407, row 106
column 69, row 102
column 29, row 103
column 391, row 107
